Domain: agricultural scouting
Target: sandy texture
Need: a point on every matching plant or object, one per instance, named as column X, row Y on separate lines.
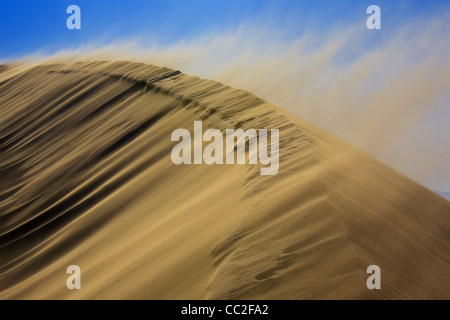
column 86, row 178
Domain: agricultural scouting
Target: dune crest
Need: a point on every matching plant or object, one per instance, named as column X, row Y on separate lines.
column 87, row 179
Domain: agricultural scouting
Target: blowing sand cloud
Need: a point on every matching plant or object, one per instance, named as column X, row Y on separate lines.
column 389, row 98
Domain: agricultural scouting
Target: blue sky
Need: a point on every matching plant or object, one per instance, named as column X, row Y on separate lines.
column 40, row 25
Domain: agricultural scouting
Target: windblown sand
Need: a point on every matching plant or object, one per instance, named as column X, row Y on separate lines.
column 86, row 178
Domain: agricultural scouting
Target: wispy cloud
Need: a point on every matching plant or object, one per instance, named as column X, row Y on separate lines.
column 387, row 95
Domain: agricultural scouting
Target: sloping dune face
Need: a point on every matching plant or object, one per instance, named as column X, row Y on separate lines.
column 86, row 178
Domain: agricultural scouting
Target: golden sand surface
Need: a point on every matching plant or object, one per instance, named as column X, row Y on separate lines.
column 86, row 179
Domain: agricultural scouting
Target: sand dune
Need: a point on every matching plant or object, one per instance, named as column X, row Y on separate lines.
column 86, row 178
